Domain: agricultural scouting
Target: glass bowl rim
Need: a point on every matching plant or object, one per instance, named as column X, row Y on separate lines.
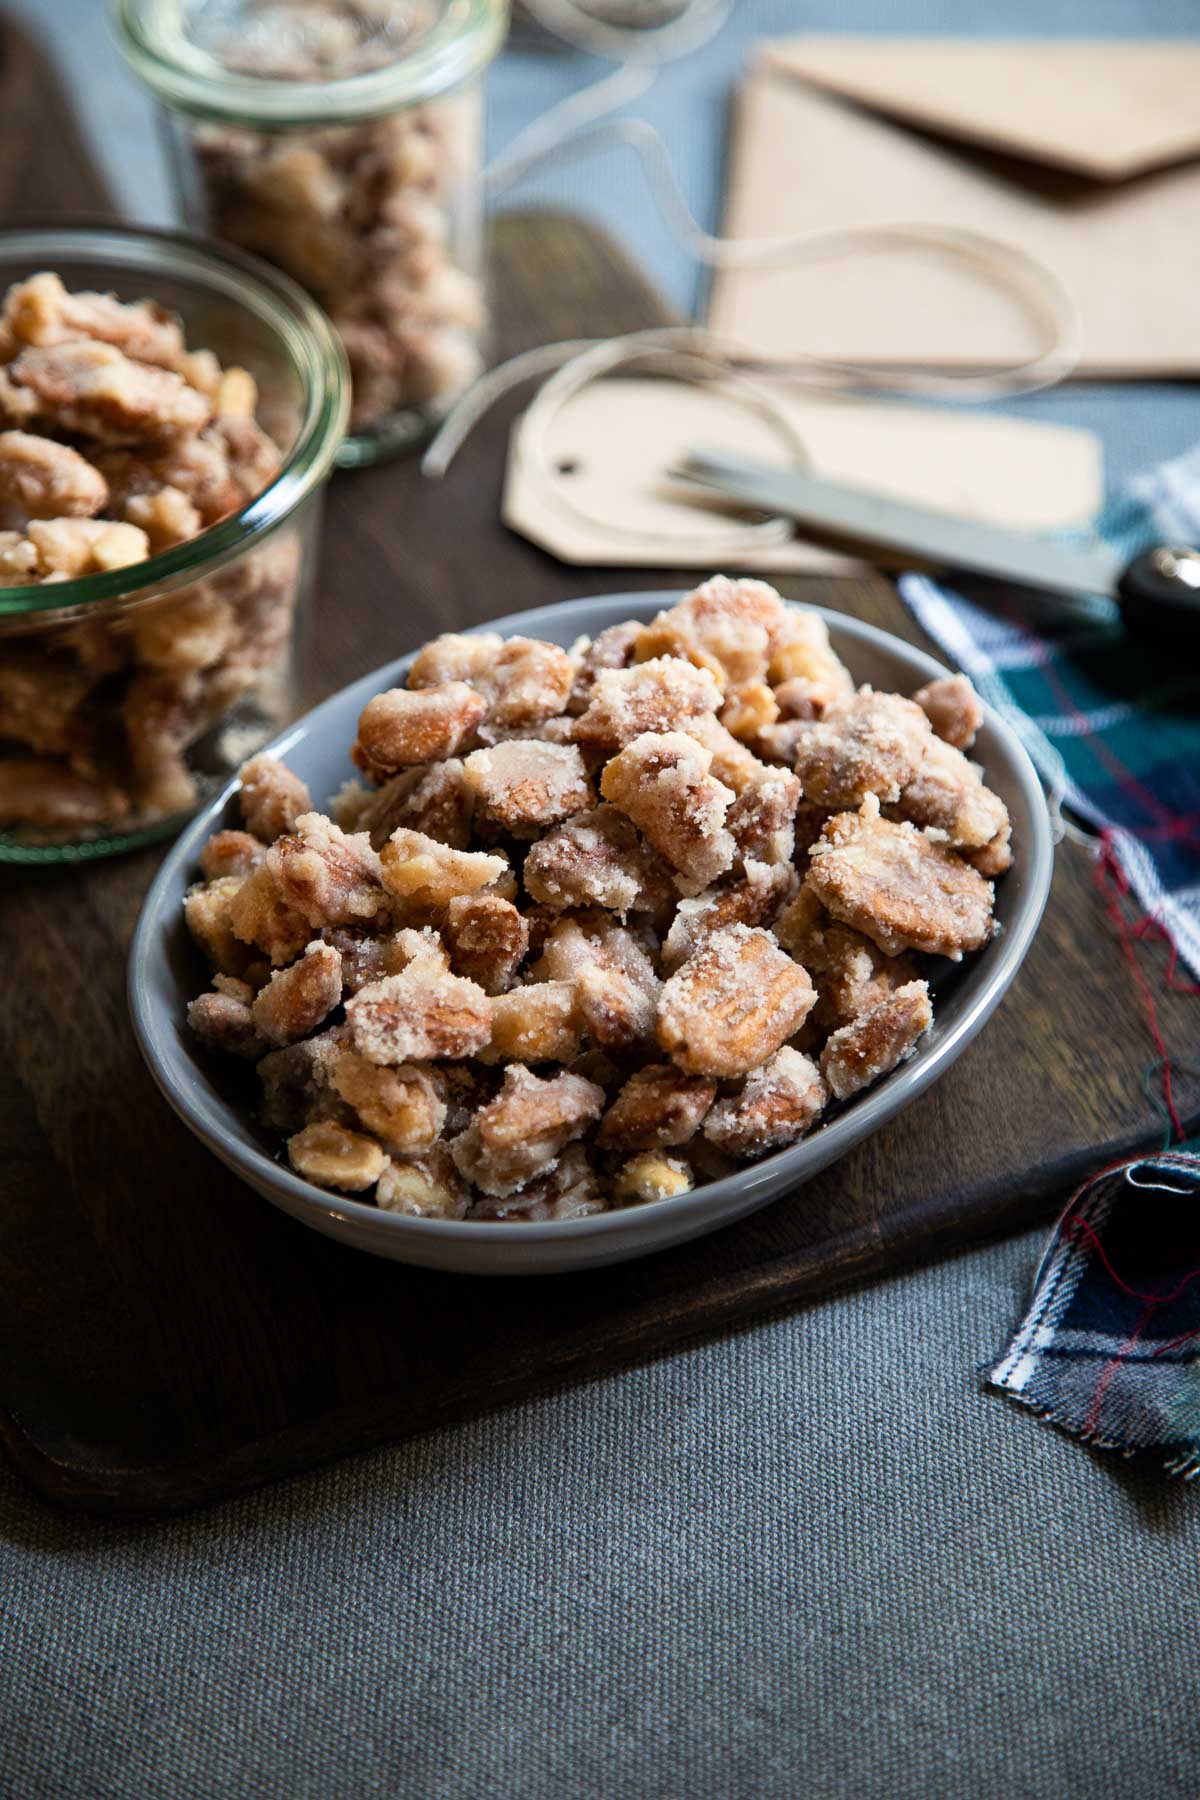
column 311, row 343
column 181, row 75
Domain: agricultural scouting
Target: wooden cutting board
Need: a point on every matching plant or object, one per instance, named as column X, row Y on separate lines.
column 166, row 1338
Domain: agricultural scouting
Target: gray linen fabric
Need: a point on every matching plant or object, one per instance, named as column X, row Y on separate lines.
column 809, row 1560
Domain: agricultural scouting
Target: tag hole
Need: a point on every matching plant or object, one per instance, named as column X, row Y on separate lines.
column 568, row 465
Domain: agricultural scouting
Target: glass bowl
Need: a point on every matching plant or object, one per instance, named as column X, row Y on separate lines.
column 127, row 697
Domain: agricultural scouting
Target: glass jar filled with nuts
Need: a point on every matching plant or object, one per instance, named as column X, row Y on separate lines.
column 341, row 140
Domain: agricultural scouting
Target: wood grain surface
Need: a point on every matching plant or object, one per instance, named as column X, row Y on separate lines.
column 167, row 1338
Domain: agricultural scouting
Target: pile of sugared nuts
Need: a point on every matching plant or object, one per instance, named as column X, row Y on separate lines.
column 119, row 442
column 604, row 923
column 363, row 215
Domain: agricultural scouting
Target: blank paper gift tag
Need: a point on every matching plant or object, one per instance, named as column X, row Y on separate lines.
column 1127, row 251
column 607, row 501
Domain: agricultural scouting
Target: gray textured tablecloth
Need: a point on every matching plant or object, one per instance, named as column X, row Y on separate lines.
column 811, row 1559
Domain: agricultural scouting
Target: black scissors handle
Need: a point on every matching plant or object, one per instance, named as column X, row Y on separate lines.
column 1159, row 594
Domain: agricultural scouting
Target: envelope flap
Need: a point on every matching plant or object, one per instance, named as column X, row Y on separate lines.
column 1104, row 108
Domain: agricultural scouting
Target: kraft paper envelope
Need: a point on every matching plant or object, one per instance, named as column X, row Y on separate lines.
column 608, row 450
column 1128, row 252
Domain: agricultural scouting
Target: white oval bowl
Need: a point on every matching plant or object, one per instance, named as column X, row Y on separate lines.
column 166, row 971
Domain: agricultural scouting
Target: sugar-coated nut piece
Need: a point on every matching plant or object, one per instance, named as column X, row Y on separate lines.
column 802, row 652
column 953, row 708
column 525, row 786
column 404, row 727
column 297, row 999
column 651, row 1176
column 596, row 859
column 529, row 681
column 230, row 853
column 427, row 875
column 732, row 1004
column 876, row 1041
column 610, row 649
column 166, row 516
column 660, row 695
column 271, row 797
column 401, row 1106
column 520, row 1133
column 259, row 915
column 331, row 1156
column 762, row 819
column 899, row 887
column 456, row 656
column 95, row 391
column 208, row 915
column 777, row 1104
column 662, row 782
column 868, row 744
column 995, row 858
column 428, row 1188
column 488, row 939
column 40, row 701
column 723, row 625
column 567, row 1190
column 616, row 988
column 432, row 798
column 748, row 710
column 296, row 1085
column 419, row 1015
column 754, row 900
column 184, row 632
column 947, row 794
column 657, row 1108
column 366, row 958
column 327, row 876
column 226, row 1022
column 732, row 762
column 42, row 311
column 535, row 1024
column 42, row 479
column 65, row 549
column 850, row 972
column 48, row 794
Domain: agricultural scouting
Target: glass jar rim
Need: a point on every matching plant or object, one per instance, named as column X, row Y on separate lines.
column 189, row 79
column 311, row 342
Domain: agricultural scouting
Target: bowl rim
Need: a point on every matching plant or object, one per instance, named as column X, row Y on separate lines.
column 310, row 341
column 808, row 1156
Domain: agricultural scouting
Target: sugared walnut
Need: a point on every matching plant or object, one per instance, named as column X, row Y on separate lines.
column 597, row 859
column 869, row 744
column 874, row 1043
column 230, row 853
column 732, row 762
column 754, row 900
column 432, row 798
column 429, row 1188
column 189, row 631
column 297, row 999
column 48, row 794
column 658, row 1107
column 568, row 1190
column 41, row 311
column 947, row 794
column 661, row 695
column 520, row 1133
column 297, row 1086
column 41, row 479
column 40, row 703
column 616, row 988
column 92, row 390
column 488, row 939
column 953, row 708
column 651, row 1176
column 534, row 1024
column 271, row 797
column 64, row 549
column 401, row 1106
column 850, row 972
column 419, row 1015
column 226, row 1022
column 749, row 709
column 259, row 915
column 331, row 1156
column 456, row 657
column 368, row 958
column 994, row 858
column 802, row 652
column 167, row 517
column 899, row 887
column 522, row 680
column 327, row 877
column 726, row 626
column 208, row 915
column 810, row 822
column 525, row 786
column 732, row 1004
column 425, row 875
column 777, row 1104
column 402, row 728
column 762, row 819
column 662, row 782
column 610, row 649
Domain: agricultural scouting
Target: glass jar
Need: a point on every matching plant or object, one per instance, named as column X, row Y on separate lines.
column 341, row 140
column 129, row 695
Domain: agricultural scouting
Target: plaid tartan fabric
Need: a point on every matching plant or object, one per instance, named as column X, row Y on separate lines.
column 1112, row 724
column 1110, row 1346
